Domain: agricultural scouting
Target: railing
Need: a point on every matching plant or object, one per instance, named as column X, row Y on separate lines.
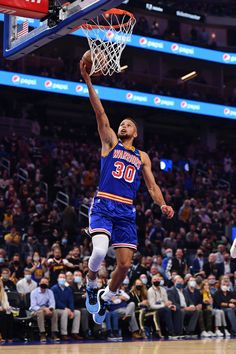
column 22, row 174
column 5, row 164
column 63, row 198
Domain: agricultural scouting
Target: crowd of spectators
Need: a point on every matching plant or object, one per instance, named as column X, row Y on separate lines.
column 182, row 281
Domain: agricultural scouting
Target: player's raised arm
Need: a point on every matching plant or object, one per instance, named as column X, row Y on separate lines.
column 107, row 135
column 233, row 249
column 153, row 188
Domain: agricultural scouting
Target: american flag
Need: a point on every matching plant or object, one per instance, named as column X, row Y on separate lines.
column 22, row 29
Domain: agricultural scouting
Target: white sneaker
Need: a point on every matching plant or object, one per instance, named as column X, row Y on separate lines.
column 211, row 334
column 218, row 333
column 204, row 334
column 227, row 334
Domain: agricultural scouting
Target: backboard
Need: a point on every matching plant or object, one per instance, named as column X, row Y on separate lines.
column 23, row 36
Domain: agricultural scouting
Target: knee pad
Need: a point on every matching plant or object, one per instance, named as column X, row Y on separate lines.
column 100, row 246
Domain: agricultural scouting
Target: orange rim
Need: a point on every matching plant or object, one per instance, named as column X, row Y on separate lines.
column 87, row 26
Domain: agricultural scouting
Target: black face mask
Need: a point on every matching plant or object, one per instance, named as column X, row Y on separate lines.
column 57, row 258
column 138, row 287
column 43, row 286
column 156, row 283
column 16, row 263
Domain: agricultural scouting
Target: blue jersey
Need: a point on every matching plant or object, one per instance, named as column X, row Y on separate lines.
column 120, row 174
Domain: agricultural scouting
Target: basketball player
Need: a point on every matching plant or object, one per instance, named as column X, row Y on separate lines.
column 112, row 213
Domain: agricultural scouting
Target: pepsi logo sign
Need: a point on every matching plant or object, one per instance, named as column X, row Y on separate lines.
column 174, row 47
column 226, row 57
column 109, row 34
column 143, row 41
column 79, row 88
column 183, row 104
column 226, row 111
column 157, row 100
column 48, row 83
column 129, row 96
column 15, row 78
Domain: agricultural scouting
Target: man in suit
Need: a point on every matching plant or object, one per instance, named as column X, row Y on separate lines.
column 188, row 312
column 178, row 263
column 211, row 267
column 198, row 263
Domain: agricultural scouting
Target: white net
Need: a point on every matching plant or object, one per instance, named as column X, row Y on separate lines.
column 107, row 36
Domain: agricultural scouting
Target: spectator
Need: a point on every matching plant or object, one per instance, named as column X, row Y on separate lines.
column 65, row 308
column 211, row 267
column 120, row 308
column 194, row 299
column 185, row 213
column 136, row 269
column 26, row 285
column 56, row 265
column 158, row 301
column 138, row 295
column 207, row 300
column 198, row 263
column 3, row 261
column 190, row 314
column 178, row 264
column 37, row 267
column 226, row 300
column 229, row 265
column 6, row 317
column 16, row 269
column 42, row 303
column 212, row 284
column 7, row 283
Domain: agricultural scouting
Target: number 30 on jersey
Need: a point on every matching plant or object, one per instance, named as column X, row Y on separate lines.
column 122, row 171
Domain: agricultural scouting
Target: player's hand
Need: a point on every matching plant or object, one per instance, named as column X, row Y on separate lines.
column 168, row 211
column 83, row 71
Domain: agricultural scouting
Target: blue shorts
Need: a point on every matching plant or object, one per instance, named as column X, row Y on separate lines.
column 115, row 219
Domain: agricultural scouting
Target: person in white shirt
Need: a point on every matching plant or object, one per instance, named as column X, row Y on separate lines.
column 26, row 285
column 233, row 249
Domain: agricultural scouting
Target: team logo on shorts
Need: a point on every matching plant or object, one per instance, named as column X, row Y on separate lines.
column 157, row 100
column 143, row 41
column 79, row 88
column 48, row 83
column 15, row 78
column 129, row 96
column 183, row 104
column 226, row 57
column 174, row 47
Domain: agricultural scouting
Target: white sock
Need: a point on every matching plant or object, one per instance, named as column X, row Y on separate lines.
column 92, row 284
column 108, row 294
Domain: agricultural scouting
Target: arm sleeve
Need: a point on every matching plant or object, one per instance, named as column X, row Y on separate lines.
column 233, row 249
column 33, row 302
column 52, row 303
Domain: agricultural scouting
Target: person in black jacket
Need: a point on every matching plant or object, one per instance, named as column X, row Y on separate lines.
column 178, row 263
column 226, row 300
column 7, row 283
column 189, row 313
column 211, row 267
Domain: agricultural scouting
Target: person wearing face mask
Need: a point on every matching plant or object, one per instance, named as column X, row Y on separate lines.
column 229, row 266
column 65, row 308
column 137, row 268
column 198, row 263
column 7, row 283
column 16, row 269
column 194, row 299
column 37, row 267
column 57, row 264
column 225, row 299
column 165, row 310
column 212, row 284
column 26, row 285
column 138, row 295
column 3, row 262
column 145, row 280
column 189, row 315
column 42, row 305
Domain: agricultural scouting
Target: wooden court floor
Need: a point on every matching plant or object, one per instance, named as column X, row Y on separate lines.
column 207, row 346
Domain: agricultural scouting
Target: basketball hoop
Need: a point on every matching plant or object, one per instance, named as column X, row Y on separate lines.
column 107, row 36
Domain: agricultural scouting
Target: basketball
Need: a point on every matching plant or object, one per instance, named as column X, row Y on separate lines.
column 100, row 61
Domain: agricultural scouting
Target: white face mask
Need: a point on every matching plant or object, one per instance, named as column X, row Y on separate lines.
column 161, row 282
column 192, row 283
column 144, row 281
column 224, row 288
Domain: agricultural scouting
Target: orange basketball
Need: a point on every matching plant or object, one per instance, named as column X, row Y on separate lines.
column 100, row 59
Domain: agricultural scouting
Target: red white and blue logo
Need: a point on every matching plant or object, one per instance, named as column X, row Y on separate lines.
column 226, row 111
column 143, row 41
column 48, row 83
column 226, row 57
column 157, row 100
column 183, row 104
column 174, row 47
column 15, row 79
column 79, row 88
column 109, row 34
column 129, row 96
